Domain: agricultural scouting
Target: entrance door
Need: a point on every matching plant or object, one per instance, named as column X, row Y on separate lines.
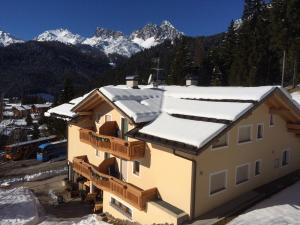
column 124, row 169
column 124, row 128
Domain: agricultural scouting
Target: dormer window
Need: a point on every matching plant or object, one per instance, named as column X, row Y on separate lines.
column 221, row 142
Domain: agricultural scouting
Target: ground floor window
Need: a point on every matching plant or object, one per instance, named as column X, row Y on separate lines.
column 242, row 174
column 257, row 167
column 121, row 207
column 217, row 182
column 285, row 158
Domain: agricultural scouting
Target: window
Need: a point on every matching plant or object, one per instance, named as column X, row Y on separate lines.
column 257, row 170
column 121, row 207
column 106, row 155
column 242, row 174
column 285, row 158
column 271, row 122
column 107, row 118
column 221, row 142
column 217, row 182
column 260, row 131
column 244, row 134
column 97, row 152
column 136, row 167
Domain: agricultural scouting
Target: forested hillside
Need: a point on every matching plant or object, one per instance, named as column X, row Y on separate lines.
column 249, row 53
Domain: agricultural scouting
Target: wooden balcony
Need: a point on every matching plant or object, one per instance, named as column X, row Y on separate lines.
column 129, row 150
column 128, row 192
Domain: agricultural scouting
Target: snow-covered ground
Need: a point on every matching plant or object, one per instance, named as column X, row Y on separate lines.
column 19, row 206
column 32, row 177
column 282, row 208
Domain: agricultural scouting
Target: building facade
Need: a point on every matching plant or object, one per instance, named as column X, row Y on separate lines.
column 172, row 154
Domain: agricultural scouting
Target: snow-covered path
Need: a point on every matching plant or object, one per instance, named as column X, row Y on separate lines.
column 282, row 208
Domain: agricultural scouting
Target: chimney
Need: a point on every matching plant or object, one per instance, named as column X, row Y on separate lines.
column 191, row 80
column 132, row 81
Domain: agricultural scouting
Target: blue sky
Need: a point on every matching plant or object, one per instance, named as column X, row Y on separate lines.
column 27, row 18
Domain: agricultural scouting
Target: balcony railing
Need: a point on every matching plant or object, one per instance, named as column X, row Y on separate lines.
column 129, row 150
column 128, row 192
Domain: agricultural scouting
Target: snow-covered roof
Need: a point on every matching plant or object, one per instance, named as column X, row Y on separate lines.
column 46, row 105
column 191, row 115
column 195, row 133
column 63, row 110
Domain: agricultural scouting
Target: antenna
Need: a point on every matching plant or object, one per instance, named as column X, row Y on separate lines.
column 157, row 68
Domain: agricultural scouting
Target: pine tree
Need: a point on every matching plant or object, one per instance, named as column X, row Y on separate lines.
column 28, row 119
column 68, row 91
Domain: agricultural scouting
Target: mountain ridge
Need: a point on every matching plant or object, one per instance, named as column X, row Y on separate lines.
column 107, row 40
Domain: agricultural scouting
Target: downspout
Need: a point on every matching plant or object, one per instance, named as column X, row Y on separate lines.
column 194, row 169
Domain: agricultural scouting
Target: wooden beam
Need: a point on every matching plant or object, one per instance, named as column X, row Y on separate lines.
column 84, row 113
column 295, row 126
column 294, row 131
column 278, row 111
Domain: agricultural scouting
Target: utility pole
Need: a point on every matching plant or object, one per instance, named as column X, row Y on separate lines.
column 283, row 68
column 1, row 105
column 157, row 69
column 295, row 73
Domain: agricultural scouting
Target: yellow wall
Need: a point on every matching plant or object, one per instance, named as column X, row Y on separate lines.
column 171, row 175
column 153, row 215
column 275, row 140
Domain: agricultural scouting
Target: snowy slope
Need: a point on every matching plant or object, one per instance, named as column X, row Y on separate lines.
column 152, row 34
column 61, row 35
column 111, row 42
column 7, row 39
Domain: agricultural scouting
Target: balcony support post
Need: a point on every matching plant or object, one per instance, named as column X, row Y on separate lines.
column 91, row 187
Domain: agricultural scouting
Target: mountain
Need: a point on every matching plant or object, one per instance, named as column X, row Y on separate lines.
column 61, row 35
column 112, row 42
column 7, row 39
column 115, row 42
column 152, row 34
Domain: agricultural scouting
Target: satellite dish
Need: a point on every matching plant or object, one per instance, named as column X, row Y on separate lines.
column 150, row 79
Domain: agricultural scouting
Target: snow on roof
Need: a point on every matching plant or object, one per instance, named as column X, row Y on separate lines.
column 177, row 129
column 296, row 96
column 62, row 110
column 165, row 106
column 219, row 93
column 139, row 112
column 209, row 109
column 27, row 107
column 46, row 105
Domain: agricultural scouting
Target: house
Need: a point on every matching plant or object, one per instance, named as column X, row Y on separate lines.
column 168, row 154
column 40, row 109
column 20, row 111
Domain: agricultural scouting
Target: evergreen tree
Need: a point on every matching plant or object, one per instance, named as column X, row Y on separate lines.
column 35, row 132
column 28, row 119
column 68, row 91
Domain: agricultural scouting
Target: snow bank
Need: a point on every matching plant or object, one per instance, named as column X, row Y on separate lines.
column 18, row 206
column 282, row 208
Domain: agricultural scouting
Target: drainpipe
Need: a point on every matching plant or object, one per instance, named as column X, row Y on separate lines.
column 194, row 169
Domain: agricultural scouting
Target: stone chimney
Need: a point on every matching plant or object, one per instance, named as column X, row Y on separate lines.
column 132, row 81
column 191, row 80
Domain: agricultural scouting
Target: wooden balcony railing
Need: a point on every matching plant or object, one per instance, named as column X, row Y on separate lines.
column 129, row 150
column 128, row 192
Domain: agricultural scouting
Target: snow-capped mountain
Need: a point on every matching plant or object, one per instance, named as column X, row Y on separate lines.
column 111, row 42
column 108, row 41
column 7, row 39
column 152, row 34
column 62, row 35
